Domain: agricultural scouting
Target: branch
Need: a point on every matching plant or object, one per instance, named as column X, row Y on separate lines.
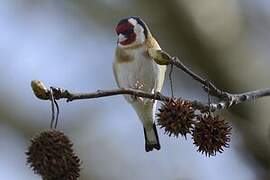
column 247, row 96
column 104, row 93
column 208, row 86
column 227, row 99
column 44, row 93
column 230, row 99
column 163, row 58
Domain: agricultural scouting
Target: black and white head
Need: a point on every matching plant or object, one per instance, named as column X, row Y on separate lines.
column 131, row 31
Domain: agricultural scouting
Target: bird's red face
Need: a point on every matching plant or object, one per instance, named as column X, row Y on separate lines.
column 125, row 32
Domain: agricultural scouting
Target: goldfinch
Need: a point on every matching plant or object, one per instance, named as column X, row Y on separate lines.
column 135, row 68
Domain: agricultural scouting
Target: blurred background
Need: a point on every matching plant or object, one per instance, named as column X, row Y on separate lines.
column 70, row 44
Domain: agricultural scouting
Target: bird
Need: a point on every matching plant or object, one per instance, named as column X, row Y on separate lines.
column 135, row 68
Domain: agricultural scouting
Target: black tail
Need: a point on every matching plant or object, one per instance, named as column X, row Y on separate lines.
column 151, row 139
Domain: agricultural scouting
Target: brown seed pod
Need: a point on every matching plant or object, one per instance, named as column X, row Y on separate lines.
column 176, row 117
column 51, row 156
column 211, row 134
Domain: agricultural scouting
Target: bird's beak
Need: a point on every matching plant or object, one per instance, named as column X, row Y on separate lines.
column 121, row 37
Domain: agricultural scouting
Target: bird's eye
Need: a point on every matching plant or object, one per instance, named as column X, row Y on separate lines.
column 127, row 32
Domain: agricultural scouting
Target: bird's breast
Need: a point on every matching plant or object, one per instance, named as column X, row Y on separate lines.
column 141, row 70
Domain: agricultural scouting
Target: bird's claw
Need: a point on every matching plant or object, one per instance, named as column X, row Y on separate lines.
column 138, row 86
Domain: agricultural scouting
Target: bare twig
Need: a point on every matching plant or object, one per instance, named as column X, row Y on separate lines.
column 234, row 99
column 247, row 96
column 65, row 94
column 213, row 90
column 60, row 94
column 226, row 99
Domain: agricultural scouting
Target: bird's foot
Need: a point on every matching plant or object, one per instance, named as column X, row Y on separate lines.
column 138, row 86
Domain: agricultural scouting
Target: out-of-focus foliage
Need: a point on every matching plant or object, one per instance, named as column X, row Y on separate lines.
column 71, row 44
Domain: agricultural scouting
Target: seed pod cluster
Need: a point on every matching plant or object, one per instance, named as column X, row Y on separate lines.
column 210, row 133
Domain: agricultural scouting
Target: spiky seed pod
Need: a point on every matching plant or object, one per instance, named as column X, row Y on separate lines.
column 211, row 134
column 51, row 156
column 176, row 117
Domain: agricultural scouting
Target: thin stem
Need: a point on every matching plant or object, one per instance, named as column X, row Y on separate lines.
column 52, row 107
column 57, row 113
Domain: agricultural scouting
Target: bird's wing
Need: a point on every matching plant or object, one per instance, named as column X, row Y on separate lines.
column 155, row 53
column 159, row 56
